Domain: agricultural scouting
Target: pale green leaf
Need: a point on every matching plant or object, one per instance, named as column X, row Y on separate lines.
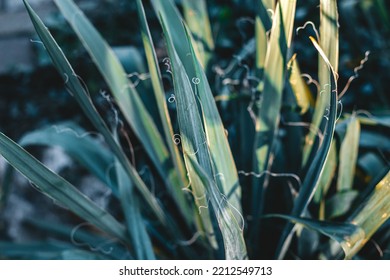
column 231, row 228
column 197, row 19
column 224, row 168
column 192, row 135
column 329, row 42
column 348, row 155
column 299, row 87
column 371, row 215
column 164, row 114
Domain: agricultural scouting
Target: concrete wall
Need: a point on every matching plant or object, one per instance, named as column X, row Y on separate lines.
column 16, row 31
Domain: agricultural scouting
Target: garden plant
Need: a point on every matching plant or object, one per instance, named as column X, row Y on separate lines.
column 250, row 159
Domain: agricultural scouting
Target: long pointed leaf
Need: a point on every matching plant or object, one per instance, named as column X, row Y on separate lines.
column 225, row 172
column 311, row 180
column 262, row 26
column 267, row 120
column 79, row 145
column 123, row 90
column 343, row 233
column 275, row 70
column 223, row 166
column 192, row 135
column 59, row 189
column 79, row 92
column 136, row 228
column 348, row 155
column 169, row 14
column 197, row 19
column 231, row 231
column 163, row 111
column 373, row 213
column 329, row 42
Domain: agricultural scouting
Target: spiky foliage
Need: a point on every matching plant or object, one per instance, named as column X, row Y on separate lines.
column 266, row 198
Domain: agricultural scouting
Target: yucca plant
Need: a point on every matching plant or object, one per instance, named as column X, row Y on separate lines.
column 264, row 185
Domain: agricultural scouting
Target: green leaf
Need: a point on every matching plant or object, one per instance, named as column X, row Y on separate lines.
column 82, row 236
column 372, row 120
column 79, row 145
column 192, row 134
column 371, row 164
column 374, row 140
column 45, row 251
column 329, row 42
column 274, row 73
column 262, row 26
column 31, row 251
column 77, row 254
column 348, row 155
column 197, row 19
column 327, row 175
column 164, row 114
column 222, row 164
column 168, row 13
column 301, row 90
column 311, row 181
column 141, row 242
column 5, row 186
column 59, row 189
column 373, row 213
column 80, row 94
column 268, row 117
column 231, row 228
column 343, row 233
column 224, row 168
column 123, row 90
column 340, row 203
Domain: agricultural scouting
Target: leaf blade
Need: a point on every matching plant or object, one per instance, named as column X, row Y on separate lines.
column 59, row 189
column 329, row 42
column 164, row 114
column 197, row 19
column 232, row 233
column 348, row 155
column 313, row 175
column 79, row 92
column 123, row 90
